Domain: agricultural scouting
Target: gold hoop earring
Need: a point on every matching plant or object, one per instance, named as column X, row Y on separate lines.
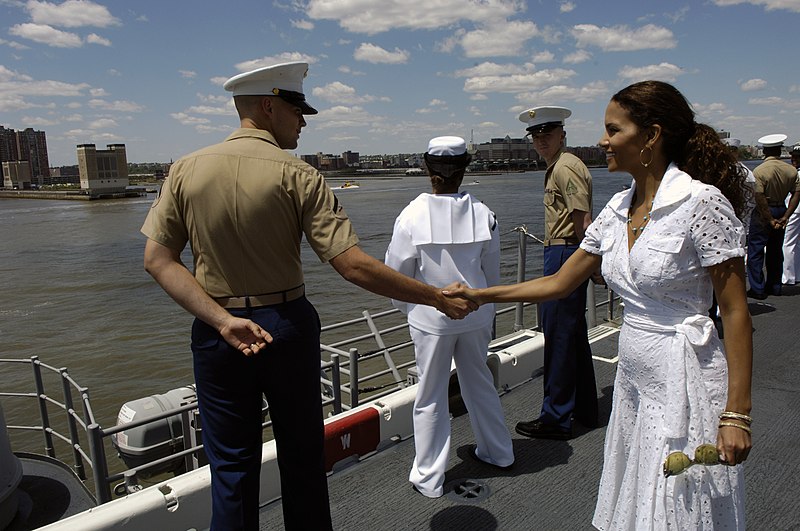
column 649, row 162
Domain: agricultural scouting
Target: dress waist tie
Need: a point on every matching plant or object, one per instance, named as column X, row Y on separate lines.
column 684, row 383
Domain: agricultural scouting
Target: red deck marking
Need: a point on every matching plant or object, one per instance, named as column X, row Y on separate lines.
column 356, row 434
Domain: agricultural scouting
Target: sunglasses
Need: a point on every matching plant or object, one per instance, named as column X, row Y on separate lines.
column 678, row 462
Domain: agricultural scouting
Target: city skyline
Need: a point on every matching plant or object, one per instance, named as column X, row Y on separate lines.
column 386, row 76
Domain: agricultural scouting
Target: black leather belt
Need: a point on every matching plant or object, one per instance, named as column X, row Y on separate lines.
column 266, row 299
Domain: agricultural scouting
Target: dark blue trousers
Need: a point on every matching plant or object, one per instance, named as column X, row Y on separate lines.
column 230, row 388
column 569, row 383
column 762, row 235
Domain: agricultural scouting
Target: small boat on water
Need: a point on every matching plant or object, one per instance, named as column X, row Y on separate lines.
column 347, row 185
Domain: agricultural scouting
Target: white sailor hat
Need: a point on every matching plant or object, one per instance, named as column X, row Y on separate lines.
column 772, row 140
column 447, row 146
column 733, row 142
column 284, row 80
column 795, row 150
column 542, row 119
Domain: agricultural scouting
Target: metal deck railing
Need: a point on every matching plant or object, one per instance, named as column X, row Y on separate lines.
column 354, row 366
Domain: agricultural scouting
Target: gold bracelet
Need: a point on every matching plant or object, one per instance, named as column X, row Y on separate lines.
column 736, row 425
column 734, row 415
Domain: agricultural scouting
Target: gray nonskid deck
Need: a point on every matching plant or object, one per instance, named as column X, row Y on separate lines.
column 553, row 485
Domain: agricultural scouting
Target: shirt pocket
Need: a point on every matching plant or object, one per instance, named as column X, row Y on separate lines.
column 550, row 196
column 662, row 259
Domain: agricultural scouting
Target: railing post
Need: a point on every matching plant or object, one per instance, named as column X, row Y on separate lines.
column 187, row 439
column 336, row 382
column 353, row 377
column 610, row 306
column 100, row 467
column 591, row 307
column 73, row 428
column 522, row 251
column 40, row 395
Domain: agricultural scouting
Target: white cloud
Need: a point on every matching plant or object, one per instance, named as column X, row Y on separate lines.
column 752, row 85
column 710, row 109
column 13, row 44
column 577, row 57
column 303, row 24
column 213, row 110
column 38, row 121
column 544, row 57
column 518, row 82
column 71, row 14
column 118, row 106
column 97, row 92
column 93, row 38
column 596, row 90
column 186, row 119
column 494, row 69
column 340, row 93
column 114, row 72
column 187, row 74
column 622, row 38
column 343, row 116
column 344, row 69
column 794, row 88
column 372, row 53
column 102, row 123
column 370, row 17
column 46, row 35
column 661, row 72
column 497, row 40
column 566, row 7
column 285, row 57
column 769, row 5
column 775, row 101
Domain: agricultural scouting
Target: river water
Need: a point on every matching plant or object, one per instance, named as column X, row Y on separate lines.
column 75, row 293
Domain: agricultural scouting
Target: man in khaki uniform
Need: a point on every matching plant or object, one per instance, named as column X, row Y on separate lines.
column 244, row 205
column 775, row 180
column 569, row 383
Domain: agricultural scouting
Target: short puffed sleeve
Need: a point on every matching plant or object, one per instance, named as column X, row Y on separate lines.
column 598, row 232
column 717, row 233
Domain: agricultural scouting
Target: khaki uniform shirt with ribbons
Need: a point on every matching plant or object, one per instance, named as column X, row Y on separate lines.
column 567, row 187
column 244, row 205
column 776, row 179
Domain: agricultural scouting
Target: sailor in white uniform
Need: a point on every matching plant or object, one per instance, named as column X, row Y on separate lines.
column 441, row 238
column 791, row 258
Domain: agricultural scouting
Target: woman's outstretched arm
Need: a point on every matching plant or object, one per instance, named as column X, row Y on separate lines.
column 574, row 272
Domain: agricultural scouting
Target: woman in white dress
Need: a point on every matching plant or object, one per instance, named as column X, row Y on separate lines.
column 440, row 238
column 664, row 245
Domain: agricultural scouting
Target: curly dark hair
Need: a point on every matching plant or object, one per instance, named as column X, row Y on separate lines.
column 695, row 148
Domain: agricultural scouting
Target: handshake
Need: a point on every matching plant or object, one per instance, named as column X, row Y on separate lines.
column 457, row 300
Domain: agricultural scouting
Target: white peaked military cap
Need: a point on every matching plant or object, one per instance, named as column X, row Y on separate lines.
column 733, row 142
column 772, row 140
column 541, row 119
column 284, row 80
column 447, row 146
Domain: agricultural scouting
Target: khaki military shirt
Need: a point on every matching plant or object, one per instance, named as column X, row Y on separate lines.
column 776, row 179
column 567, row 187
column 244, row 205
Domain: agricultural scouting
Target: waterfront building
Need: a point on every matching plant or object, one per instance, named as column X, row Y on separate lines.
column 103, row 171
column 27, row 145
column 17, row 175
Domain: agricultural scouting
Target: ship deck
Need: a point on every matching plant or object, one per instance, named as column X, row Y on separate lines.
column 553, row 484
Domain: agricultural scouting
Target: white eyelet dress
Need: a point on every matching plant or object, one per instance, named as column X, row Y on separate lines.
column 671, row 381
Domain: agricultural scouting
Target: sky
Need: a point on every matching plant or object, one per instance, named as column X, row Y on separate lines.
column 386, row 75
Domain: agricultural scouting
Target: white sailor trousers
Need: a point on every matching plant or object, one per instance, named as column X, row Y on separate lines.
column 431, row 412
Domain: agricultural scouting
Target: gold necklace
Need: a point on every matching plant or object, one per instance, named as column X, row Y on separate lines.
column 637, row 231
